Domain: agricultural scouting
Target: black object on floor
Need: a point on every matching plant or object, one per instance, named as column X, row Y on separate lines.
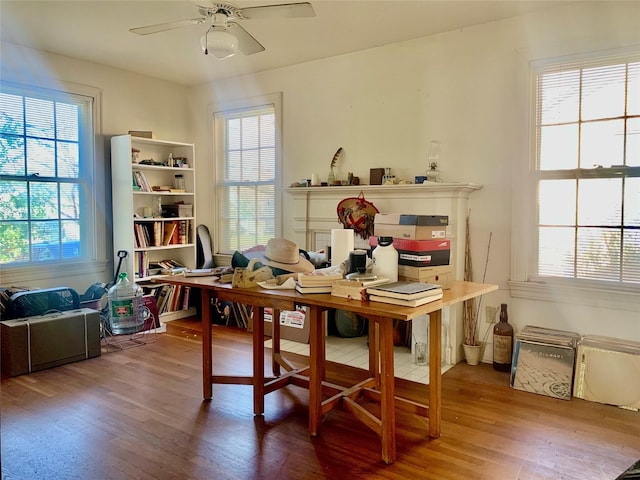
column 631, row 473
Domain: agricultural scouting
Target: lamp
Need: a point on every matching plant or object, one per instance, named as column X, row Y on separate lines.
column 219, row 42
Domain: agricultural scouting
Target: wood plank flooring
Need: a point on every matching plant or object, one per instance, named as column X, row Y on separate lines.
column 139, row 414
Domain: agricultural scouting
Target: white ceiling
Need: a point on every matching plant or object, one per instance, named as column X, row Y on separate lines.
column 98, row 31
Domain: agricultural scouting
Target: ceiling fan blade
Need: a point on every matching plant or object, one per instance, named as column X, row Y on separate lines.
column 285, row 10
column 161, row 27
column 246, row 43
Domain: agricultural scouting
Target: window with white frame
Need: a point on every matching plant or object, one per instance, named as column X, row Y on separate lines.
column 46, row 176
column 586, row 172
column 247, row 159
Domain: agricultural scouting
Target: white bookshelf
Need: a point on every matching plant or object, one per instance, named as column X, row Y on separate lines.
column 136, row 210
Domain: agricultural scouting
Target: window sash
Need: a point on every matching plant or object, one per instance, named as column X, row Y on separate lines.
column 246, row 160
column 586, row 169
column 52, row 162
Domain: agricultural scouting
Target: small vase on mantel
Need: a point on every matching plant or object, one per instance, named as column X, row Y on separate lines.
column 434, row 162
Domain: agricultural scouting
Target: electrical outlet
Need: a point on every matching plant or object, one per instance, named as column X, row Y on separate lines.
column 490, row 314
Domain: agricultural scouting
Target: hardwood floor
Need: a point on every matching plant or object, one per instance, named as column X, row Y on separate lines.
column 139, row 414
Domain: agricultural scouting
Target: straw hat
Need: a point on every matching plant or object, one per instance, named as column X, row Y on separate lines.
column 358, row 214
column 285, row 255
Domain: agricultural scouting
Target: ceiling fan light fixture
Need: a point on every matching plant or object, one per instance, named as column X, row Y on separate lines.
column 219, row 42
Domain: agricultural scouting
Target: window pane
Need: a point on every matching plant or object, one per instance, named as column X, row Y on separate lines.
column 44, row 200
column 233, row 134
column 71, row 239
column 12, row 155
column 13, row 201
column 250, row 165
column 599, row 253
column 633, row 95
column 560, row 97
column 633, row 142
column 39, row 115
column 631, row 256
column 69, row 201
column 267, row 131
column 556, row 251
column 268, row 164
column 250, row 133
column 15, row 242
column 45, row 238
column 600, row 202
column 68, row 160
column 11, row 114
column 41, row 158
column 67, row 122
column 632, row 202
column 602, row 143
column 559, row 147
column 557, row 202
column 603, row 92
column 233, row 166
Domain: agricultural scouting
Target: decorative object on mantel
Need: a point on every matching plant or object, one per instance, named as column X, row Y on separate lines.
column 331, row 179
column 434, row 162
column 358, row 214
column 473, row 349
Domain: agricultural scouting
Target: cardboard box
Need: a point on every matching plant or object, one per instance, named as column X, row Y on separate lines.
column 442, row 275
column 420, row 253
column 413, row 227
column 35, row 343
column 294, row 325
column 543, row 362
column 409, row 232
column 424, row 220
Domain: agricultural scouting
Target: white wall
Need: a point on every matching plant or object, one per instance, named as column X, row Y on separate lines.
column 129, row 102
column 467, row 88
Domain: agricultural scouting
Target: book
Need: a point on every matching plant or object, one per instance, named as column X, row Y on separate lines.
column 406, row 290
column 198, row 272
column 317, row 278
column 169, row 230
column 354, row 288
column 313, row 289
column 406, row 303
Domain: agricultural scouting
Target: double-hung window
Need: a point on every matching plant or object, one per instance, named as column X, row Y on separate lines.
column 46, row 177
column 585, row 174
column 247, row 150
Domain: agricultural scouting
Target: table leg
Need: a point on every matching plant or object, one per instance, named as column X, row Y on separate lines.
column 387, row 391
column 258, row 360
column 316, row 367
column 207, row 369
column 374, row 352
column 435, row 373
column 275, row 341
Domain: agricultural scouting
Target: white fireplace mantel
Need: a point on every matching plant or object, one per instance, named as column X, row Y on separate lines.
column 311, row 214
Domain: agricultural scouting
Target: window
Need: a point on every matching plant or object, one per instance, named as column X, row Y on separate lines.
column 247, row 160
column 46, row 165
column 588, row 171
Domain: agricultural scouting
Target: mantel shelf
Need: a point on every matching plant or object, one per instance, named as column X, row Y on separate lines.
column 390, row 189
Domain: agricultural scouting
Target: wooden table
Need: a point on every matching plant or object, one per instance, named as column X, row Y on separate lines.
column 324, row 396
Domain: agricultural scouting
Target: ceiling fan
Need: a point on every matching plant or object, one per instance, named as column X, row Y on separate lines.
column 225, row 36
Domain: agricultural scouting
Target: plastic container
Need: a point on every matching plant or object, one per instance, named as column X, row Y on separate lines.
column 385, row 259
column 178, row 182
column 125, row 306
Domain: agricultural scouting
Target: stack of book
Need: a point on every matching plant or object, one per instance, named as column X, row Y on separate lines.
column 316, row 282
column 407, row 294
column 355, row 289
